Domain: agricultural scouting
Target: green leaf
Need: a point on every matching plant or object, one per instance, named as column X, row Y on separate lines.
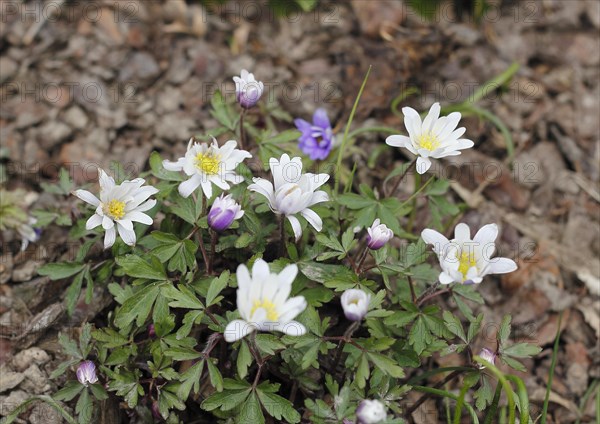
column 244, row 359
column 136, row 267
column 216, row 287
column 521, row 350
column 268, row 343
column 420, row 336
column 386, row 365
column 137, row 307
column 190, row 378
column 362, row 371
column 401, row 318
column 251, row 411
column 159, row 171
column 60, row 270
column 72, row 293
column 226, row 400
column 215, row 376
column 84, row 407
column 454, row 325
column 71, row 389
column 182, row 353
column 182, row 297
column 505, row 327
column 277, row 406
column 98, row 391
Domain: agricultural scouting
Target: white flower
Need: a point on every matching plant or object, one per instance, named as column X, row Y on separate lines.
column 206, row 164
column 371, row 412
column 355, row 303
column 264, row 304
column 122, row 204
column 464, row 260
column 28, row 233
column 378, row 235
column 247, row 89
column 294, row 193
column 434, row 137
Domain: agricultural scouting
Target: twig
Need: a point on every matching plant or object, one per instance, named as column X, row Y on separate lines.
column 412, row 289
column 213, row 243
column 432, row 295
column 346, row 338
column 242, row 132
column 401, row 177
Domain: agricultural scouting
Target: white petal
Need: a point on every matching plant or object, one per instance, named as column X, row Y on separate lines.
column 187, row 187
column 295, row 226
column 432, row 117
column 288, row 274
column 237, row 329
column 110, row 237
column 397, row 141
column 439, row 241
column 423, row 164
column 445, row 278
column 146, row 206
column 318, row 197
column 125, row 223
column 501, row 266
column 128, row 236
column 174, row 166
column 260, row 270
column 93, row 222
column 462, row 232
column 107, row 223
column 292, row 328
column 412, row 122
column 263, row 187
column 486, row 234
column 243, row 277
column 292, row 308
column 87, row 197
column 462, row 144
column 313, row 219
column 106, row 181
column 139, row 217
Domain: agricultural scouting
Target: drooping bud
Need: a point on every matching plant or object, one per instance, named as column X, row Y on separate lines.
column 378, row 235
column 355, row 303
column 86, row 373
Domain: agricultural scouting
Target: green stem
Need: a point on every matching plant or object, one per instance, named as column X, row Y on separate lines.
column 413, row 211
column 345, row 139
column 444, row 393
column 551, row 374
column 505, row 385
column 489, row 417
column 358, row 131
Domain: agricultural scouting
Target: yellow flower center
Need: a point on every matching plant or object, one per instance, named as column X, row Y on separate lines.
column 115, row 209
column 429, row 141
column 268, row 306
column 208, row 163
column 466, row 262
column 355, row 301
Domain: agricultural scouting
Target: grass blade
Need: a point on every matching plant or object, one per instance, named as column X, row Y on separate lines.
column 551, row 374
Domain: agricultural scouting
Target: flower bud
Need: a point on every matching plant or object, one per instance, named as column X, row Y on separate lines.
column 86, row 373
column 247, row 89
column 371, row 412
column 151, row 331
column 355, row 303
column 378, row 235
column 488, row 355
column 223, row 212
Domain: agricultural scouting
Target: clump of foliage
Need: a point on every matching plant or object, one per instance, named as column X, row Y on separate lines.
column 360, row 284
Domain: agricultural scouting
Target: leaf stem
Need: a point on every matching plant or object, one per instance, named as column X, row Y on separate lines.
column 242, row 131
column 401, row 177
column 345, row 139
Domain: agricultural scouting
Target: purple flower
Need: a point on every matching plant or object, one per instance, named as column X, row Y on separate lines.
column 223, row 212
column 86, row 373
column 247, row 89
column 317, row 139
column 151, row 331
column 488, row 355
column 378, row 235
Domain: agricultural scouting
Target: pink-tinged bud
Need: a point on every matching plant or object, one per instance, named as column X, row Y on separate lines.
column 247, row 89
column 488, row 355
column 355, row 303
column 371, row 412
column 151, row 331
column 156, row 411
column 223, row 212
column 378, row 235
column 86, row 373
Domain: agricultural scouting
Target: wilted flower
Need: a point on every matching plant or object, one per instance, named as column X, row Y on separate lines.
column 371, row 412
column 264, row 304
column 317, row 139
column 206, row 164
column 86, row 373
column 28, row 233
column 122, row 204
column 434, row 137
column 355, row 303
column 247, row 89
column 488, row 355
column 293, row 192
column 464, row 260
column 378, row 235
column 223, row 212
